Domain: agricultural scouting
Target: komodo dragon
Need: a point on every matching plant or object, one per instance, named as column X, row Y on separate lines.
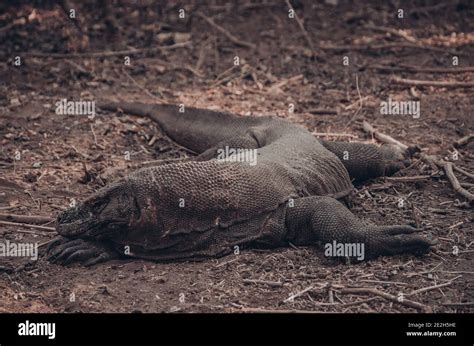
column 207, row 206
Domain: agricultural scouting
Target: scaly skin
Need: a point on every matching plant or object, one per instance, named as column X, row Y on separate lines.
column 205, row 207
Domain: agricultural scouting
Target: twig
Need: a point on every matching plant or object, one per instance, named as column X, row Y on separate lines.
column 360, row 103
column 416, row 69
column 462, row 171
column 387, row 296
column 417, row 82
column 385, row 46
column 385, row 282
column 464, row 140
column 18, row 224
column 382, row 137
column 459, row 304
column 36, row 232
column 25, row 218
column 263, row 282
column 429, row 288
column 176, row 66
column 286, row 81
column 431, row 160
column 46, row 242
column 427, row 9
column 105, row 54
column 409, row 179
column 448, row 168
column 303, row 30
column 298, row 294
column 141, row 87
column 228, row 262
column 396, row 32
column 223, row 31
column 100, row 146
column 276, row 311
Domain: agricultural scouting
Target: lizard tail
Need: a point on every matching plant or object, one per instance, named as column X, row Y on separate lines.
column 194, row 128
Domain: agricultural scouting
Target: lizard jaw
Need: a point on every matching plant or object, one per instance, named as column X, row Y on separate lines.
column 100, row 216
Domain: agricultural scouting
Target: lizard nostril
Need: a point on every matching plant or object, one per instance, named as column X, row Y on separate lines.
column 60, row 217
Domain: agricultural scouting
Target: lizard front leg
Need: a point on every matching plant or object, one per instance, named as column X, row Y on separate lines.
column 324, row 219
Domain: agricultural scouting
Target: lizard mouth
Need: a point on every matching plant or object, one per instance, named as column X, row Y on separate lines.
column 85, row 223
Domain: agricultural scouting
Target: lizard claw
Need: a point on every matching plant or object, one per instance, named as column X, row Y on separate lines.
column 66, row 251
column 398, row 239
column 395, row 158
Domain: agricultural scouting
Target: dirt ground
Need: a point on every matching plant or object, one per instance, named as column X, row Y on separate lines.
column 187, row 60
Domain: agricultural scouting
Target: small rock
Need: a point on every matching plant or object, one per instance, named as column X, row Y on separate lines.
column 15, row 102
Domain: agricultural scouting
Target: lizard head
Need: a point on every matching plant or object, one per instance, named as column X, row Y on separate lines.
column 106, row 212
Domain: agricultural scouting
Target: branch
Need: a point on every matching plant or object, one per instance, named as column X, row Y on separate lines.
column 433, row 161
column 227, row 34
column 463, row 140
column 303, row 30
column 448, row 168
column 25, row 218
column 385, row 46
column 396, row 32
column 417, row 82
column 7, row 223
column 388, row 296
column 409, row 68
column 263, row 282
column 105, row 54
column 382, row 137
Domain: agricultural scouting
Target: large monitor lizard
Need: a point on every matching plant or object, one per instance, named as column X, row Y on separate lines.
column 208, row 206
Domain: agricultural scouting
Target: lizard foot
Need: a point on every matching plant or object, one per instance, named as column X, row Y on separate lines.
column 395, row 158
column 66, row 251
column 398, row 239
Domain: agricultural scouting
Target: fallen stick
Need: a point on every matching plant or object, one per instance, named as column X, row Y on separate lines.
column 359, row 47
column 18, row 224
column 303, row 30
column 409, row 179
column 448, row 168
column 42, row 233
column 276, row 311
column 361, row 103
column 382, row 282
column 382, row 137
column 464, row 140
column 25, row 218
column 429, row 288
column 459, row 304
column 417, row 82
column 433, row 161
column 408, row 68
column 263, row 282
column 462, row 171
column 105, row 54
column 396, row 32
column 227, row 34
column 298, row 294
column 387, row 296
